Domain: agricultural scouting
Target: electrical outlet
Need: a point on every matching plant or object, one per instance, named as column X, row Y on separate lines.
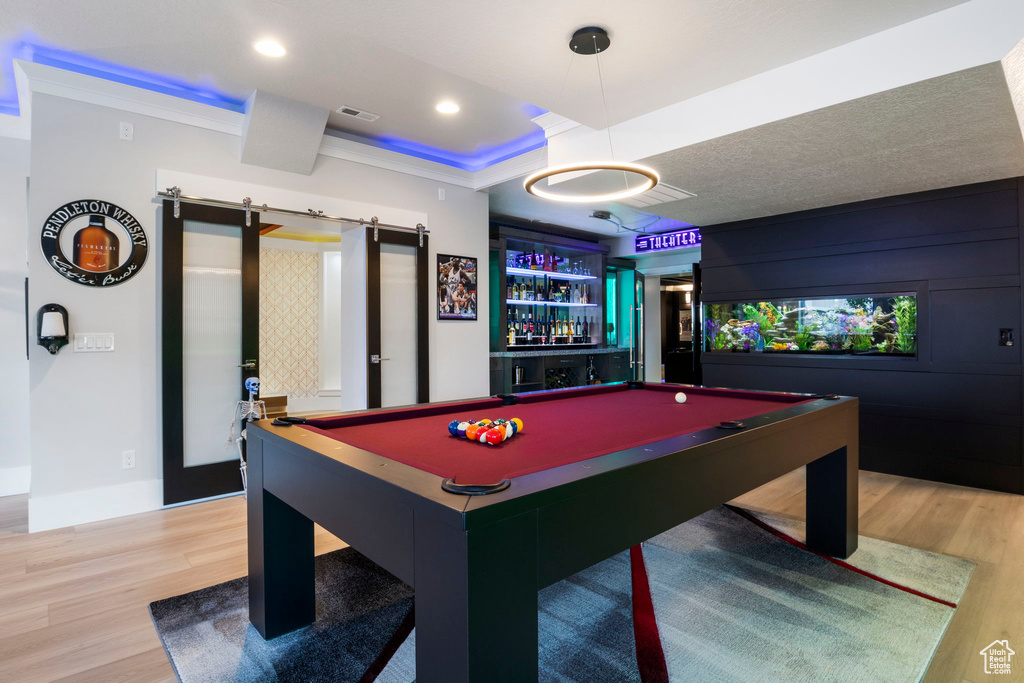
column 127, row 460
column 127, row 131
column 440, row 194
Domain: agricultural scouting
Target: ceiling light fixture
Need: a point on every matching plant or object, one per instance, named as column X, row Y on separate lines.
column 447, row 107
column 650, row 175
column 593, row 40
column 269, row 48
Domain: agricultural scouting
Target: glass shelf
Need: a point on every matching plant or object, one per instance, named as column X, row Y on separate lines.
column 521, row 302
column 551, row 274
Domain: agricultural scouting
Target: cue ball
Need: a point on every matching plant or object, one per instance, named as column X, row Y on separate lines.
column 680, row 397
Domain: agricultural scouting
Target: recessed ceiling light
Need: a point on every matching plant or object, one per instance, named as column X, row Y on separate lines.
column 270, row 48
column 447, row 107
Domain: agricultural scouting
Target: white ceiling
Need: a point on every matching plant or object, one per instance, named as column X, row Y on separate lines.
column 662, row 52
column 332, row 60
column 398, row 58
column 952, row 130
column 502, row 60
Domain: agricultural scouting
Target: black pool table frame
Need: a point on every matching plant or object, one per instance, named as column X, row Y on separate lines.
column 476, row 563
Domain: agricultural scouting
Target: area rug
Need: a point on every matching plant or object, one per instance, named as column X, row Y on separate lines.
column 723, row 597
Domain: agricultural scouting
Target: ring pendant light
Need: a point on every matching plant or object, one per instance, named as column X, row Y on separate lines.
column 593, row 40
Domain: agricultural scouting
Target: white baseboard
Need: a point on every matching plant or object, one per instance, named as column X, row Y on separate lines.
column 15, row 480
column 93, row 505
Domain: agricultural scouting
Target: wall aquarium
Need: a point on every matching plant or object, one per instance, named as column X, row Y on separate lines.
column 877, row 325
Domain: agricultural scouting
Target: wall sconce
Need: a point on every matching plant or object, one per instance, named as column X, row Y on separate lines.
column 52, row 327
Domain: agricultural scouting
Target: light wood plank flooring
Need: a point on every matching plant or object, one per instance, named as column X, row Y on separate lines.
column 73, row 601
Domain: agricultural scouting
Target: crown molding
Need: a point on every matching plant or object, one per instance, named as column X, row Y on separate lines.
column 14, row 127
column 553, row 123
column 357, row 152
column 38, row 78
column 516, row 167
column 49, row 80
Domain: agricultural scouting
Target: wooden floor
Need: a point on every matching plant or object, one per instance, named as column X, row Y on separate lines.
column 73, row 601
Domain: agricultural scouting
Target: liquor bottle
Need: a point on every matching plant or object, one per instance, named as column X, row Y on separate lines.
column 533, row 260
column 586, row 331
column 584, row 295
column 569, row 332
column 529, row 330
column 540, row 291
column 547, row 260
column 519, row 328
column 551, row 329
column 579, row 330
column 511, row 331
column 508, row 289
column 95, row 247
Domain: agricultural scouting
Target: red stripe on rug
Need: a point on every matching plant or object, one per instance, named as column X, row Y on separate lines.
column 404, row 629
column 845, row 565
column 650, row 657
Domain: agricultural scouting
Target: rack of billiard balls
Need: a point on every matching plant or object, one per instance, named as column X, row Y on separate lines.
column 486, row 431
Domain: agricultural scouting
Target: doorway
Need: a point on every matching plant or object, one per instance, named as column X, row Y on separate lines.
column 679, row 323
column 301, row 315
column 398, row 282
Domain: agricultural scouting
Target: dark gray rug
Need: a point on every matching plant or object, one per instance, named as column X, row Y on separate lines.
column 733, row 603
column 359, row 607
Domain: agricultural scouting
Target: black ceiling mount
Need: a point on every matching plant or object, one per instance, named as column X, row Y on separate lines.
column 589, row 40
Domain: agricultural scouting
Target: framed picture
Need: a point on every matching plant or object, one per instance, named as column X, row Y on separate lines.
column 456, row 287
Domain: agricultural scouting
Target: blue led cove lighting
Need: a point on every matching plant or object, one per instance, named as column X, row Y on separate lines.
column 30, row 49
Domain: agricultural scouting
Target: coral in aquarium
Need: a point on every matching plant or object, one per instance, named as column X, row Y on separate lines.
column 883, row 330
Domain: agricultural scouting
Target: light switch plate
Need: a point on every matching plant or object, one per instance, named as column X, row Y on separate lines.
column 93, row 342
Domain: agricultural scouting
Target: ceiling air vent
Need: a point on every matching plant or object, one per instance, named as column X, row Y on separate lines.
column 357, row 113
column 662, row 193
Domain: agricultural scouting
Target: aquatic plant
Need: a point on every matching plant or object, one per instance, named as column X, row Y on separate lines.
column 860, row 341
column 905, row 309
column 765, row 315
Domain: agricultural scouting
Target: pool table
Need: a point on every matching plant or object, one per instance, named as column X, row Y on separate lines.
column 477, row 530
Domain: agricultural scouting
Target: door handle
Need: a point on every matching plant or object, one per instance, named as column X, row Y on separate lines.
column 250, row 364
column 632, row 341
column 375, row 358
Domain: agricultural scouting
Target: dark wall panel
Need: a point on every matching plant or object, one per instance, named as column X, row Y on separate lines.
column 956, row 412
column 967, row 323
column 960, row 260
column 987, row 208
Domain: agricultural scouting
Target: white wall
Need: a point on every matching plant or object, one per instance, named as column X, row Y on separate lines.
column 14, row 443
column 87, row 408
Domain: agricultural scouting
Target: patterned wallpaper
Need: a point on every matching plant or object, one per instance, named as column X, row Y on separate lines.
column 289, row 323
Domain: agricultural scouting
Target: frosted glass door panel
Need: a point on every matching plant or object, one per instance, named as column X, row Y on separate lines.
column 211, row 339
column 330, row 346
column 398, row 324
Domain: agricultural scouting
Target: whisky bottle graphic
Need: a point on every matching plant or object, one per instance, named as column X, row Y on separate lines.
column 95, row 247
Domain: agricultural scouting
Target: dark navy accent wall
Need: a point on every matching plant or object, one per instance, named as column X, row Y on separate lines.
column 954, row 413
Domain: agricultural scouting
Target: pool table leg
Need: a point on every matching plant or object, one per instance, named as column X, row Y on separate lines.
column 476, row 601
column 832, row 502
column 282, row 592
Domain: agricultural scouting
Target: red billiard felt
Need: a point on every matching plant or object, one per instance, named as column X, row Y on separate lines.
column 559, row 427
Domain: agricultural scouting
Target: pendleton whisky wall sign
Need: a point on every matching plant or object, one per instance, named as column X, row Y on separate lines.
column 94, row 243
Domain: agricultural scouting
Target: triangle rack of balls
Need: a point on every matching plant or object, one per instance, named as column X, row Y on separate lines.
column 490, row 432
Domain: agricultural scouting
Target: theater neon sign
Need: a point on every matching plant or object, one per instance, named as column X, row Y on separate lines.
column 663, row 241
